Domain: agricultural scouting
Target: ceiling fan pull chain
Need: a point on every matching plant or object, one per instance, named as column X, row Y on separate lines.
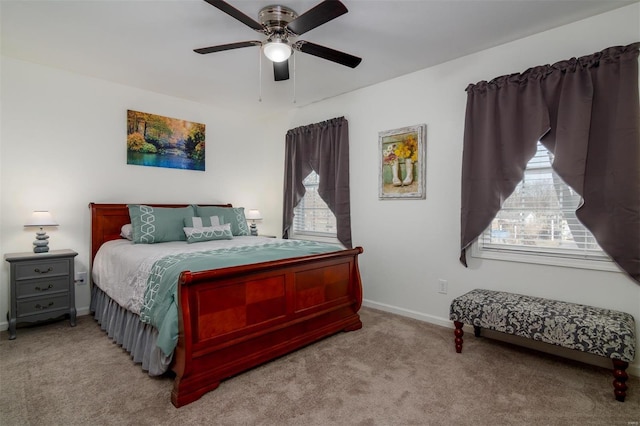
column 294, row 78
column 260, row 75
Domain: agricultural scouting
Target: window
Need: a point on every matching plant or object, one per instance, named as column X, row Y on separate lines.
column 312, row 217
column 538, row 224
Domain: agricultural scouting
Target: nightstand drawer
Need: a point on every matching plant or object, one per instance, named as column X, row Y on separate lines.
column 41, row 269
column 42, row 287
column 27, row 307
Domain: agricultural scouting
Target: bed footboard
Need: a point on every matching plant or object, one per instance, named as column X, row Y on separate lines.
column 234, row 319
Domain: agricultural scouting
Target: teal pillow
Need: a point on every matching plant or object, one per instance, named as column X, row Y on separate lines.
column 232, row 215
column 158, row 224
column 208, row 233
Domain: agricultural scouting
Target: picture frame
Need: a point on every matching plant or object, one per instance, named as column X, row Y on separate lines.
column 401, row 150
column 159, row 141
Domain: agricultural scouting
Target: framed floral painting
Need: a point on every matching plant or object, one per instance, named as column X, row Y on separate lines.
column 402, row 170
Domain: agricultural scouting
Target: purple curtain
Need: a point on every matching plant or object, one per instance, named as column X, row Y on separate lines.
column 587, row 112
column 323, row 148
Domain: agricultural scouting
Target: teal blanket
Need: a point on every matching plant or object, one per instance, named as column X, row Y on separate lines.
column 160, row 307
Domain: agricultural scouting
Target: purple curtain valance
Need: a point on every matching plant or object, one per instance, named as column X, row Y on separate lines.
column 609, row 55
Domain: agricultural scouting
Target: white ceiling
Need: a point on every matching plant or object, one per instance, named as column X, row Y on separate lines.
column 149, row 43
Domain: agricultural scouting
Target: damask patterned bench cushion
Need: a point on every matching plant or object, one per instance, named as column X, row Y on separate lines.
column 598, row 331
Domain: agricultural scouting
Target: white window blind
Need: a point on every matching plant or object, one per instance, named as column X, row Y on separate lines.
column 539, row 220
column 312, row 216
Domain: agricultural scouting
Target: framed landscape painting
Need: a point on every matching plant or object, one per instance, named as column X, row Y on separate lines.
column 157, row 141
column 402, row 168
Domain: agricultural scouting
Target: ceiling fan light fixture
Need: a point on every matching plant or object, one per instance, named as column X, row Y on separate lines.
column 277, row 50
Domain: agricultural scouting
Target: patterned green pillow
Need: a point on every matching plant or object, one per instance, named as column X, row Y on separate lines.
column 208, row 233
column 158, row 224
column 232, row 215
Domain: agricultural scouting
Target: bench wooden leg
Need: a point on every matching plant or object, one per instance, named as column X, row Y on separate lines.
column 620, row 377
column 458, row 333
column 476, row 331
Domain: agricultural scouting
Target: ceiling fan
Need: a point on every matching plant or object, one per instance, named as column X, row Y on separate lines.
column 282, row 26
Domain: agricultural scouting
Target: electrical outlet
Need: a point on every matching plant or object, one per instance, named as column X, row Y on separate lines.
column 81, row 278
column 442, row 286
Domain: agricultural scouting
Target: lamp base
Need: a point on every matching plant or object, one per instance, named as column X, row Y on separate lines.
column 41, row 244
column 254, row 230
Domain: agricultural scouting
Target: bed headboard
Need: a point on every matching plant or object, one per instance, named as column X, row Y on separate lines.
column 107, row 219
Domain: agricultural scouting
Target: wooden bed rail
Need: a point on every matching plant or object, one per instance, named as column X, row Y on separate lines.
column 188, row 277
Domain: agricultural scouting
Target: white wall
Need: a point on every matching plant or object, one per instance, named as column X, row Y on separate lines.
column 63, row 145
column 410, row 244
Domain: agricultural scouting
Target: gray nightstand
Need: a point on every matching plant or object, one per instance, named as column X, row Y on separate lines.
column 41, row 287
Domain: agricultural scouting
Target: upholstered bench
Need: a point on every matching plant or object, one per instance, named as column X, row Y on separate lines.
column 597, row 331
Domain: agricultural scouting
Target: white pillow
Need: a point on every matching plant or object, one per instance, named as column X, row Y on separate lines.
column 201, row 222
column 127, row 232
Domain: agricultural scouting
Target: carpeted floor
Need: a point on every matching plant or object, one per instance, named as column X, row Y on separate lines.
column 395, row 371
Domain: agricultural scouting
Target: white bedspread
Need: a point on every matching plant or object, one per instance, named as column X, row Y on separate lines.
column 121, row 268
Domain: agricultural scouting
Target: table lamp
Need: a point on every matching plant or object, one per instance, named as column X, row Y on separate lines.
column 41, row 219
column 253, row 215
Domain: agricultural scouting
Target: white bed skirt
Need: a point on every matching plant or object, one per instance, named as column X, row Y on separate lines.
column 126, row 329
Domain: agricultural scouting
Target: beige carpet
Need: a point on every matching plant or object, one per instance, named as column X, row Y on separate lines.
column 395, row 371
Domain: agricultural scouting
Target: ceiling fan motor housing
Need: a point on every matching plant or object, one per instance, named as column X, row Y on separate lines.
column 275, row 18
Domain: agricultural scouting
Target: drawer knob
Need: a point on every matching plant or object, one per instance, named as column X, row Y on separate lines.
column 50, row 286
column 39, row 306
column 49, row 269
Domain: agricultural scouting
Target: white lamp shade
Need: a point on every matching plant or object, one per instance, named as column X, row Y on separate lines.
column 41, row 218
column 277, row 51
column 253, row 214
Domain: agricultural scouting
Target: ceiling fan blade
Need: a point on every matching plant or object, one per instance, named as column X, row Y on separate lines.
column 281, row 70
column 235, row 13
column 221, row 47
column 327, row 53
column 316, row 16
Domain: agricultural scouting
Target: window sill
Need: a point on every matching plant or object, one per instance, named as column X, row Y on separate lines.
column 550, row 260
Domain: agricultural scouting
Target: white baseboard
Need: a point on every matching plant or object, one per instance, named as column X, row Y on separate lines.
column 634, row 368
column 444, row 322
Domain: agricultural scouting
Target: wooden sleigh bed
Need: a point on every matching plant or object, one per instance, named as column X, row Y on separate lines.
column 284, row 305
